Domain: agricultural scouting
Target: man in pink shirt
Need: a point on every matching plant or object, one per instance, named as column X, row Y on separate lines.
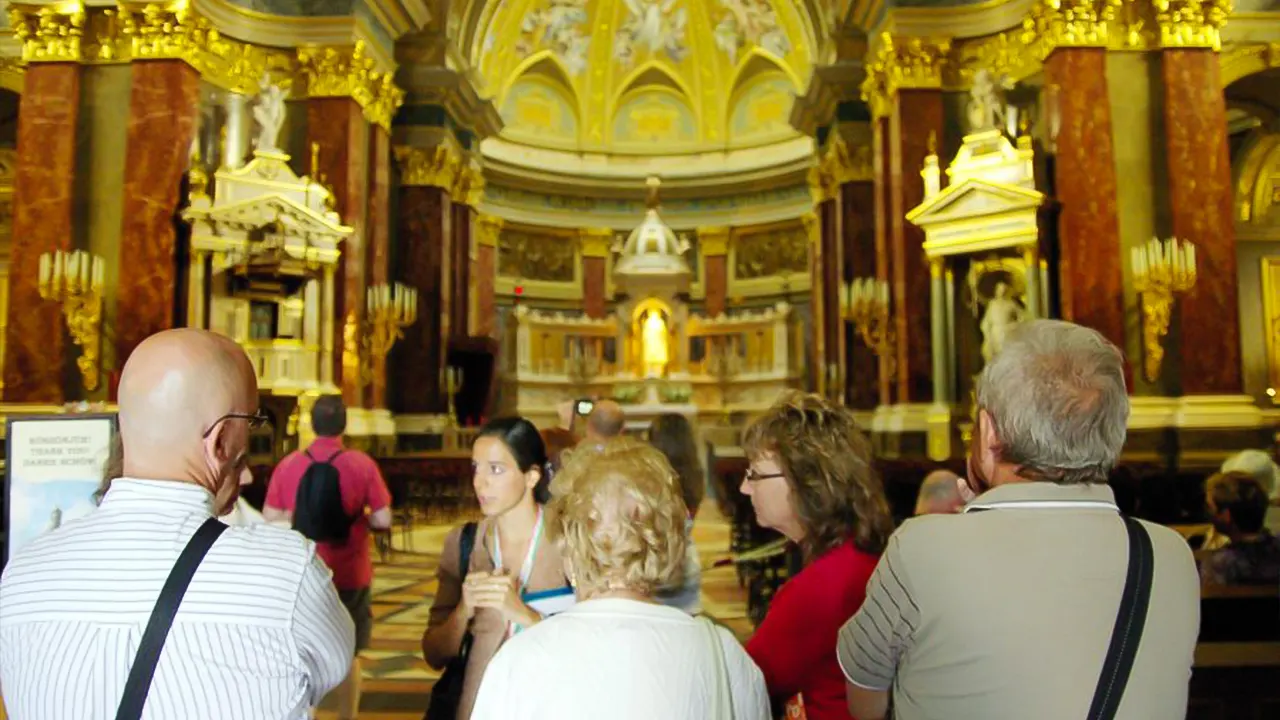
column 361, row 486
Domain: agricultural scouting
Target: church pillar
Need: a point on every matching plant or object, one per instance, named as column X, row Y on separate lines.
column 338, row 127
column 35, row 343
column 858, row 246
column 817, row 350
column 487, row 229
column 163, row 108
column 1200, row 195
column 714, row 244
column 378, row 224
column 595, row 252
column 425, row 238
column 831, row 265
column 466, row 198
column 916, row 117
column 881, row 166
column 1090, row 266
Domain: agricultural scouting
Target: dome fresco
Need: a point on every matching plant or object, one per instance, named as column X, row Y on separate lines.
column 639, row 76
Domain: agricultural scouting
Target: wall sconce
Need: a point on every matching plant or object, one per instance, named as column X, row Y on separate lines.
column 866, row 304
column 389, row 309
column 1162, row 269
column 75, row 280
column 451, row 381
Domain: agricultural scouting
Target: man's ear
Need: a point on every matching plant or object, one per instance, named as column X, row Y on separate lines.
column 215, row 447
column 989, row 439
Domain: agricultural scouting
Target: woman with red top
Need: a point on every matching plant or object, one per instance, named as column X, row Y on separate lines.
column 810, row 478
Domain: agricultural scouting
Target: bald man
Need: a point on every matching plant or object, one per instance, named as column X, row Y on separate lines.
column 605, row 422
column 939, row 494
column 259, row 632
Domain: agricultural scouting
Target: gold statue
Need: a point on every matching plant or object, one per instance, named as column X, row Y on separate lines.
column 655, row 344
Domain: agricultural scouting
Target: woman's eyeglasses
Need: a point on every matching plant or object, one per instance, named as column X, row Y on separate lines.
column 753, row 475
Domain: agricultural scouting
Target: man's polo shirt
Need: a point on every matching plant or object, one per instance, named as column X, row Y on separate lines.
column 361, row 485
column 1006, row 611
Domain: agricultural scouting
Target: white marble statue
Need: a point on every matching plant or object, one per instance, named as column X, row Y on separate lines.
column 986, row 102
column 1003, row 312
column 268, row 112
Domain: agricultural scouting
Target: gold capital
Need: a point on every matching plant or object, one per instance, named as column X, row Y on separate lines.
column 714, row 240
column 1191, row 23
column 48, row 33
column 488, row 228
column 349, row 72
column 438, row 166
column 596, row 242
column 903, row 63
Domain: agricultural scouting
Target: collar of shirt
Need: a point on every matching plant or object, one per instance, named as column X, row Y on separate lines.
column 133, row 494
column 322, row 447
column 1046, row 496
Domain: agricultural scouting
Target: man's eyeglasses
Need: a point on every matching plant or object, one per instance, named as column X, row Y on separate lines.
column 752, row 475
column 256, row 420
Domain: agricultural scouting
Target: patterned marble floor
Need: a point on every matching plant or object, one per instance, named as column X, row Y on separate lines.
column 397, row 681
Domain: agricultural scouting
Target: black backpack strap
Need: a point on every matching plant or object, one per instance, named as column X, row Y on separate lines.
column 144, row 663
column 466, row 544
column 1127, row 633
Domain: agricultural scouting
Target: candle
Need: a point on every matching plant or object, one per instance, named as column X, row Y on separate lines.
column 99, row 274
column 46, row 268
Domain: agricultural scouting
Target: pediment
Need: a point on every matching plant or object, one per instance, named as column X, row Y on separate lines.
column 277, row 212
column 974, row 198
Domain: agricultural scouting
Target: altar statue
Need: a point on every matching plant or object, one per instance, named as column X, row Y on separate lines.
column 269, row 114
column 655, row 344
column 986, row 107
column 1003, row 312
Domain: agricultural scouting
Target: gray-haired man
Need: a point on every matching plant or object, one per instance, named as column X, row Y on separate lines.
column 1008, row 610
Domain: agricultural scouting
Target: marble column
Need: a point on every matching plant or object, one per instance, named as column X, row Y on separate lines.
column 829, row 216
column 378, row 234
column 858, row 250
column 1090, row 266
column 237, row 129
column 817, row 350
column 486, row 271
column 595, row 253
column 714, row 244
column 1200, row 196
column 916, row 116
column 35, row 343
column 882, row 162
column 464, row 217
column 338, row 126
column 163, row 109
column 425, row 224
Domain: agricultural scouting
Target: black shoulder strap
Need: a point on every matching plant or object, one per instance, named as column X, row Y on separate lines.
column 332, row 457
column 465, row 545
column 1127, row 633
column 144, row 663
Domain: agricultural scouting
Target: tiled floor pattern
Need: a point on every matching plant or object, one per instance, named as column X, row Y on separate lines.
column 397, row 681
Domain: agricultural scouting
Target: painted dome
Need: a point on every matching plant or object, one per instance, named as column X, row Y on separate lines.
column 644, row 77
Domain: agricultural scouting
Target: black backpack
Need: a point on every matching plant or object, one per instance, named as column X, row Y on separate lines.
column 317, row 511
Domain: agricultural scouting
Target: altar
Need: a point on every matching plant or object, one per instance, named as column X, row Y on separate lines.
column 653, row 353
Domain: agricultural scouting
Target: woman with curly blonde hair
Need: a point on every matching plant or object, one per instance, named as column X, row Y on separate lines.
column 618, row 520
column 811, row 479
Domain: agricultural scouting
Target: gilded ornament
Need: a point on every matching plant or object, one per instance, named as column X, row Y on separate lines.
column 903, row 62
column 435, row 167
column 488, row 228
column 350, row 72
column 1191, row 23
column 48, row 33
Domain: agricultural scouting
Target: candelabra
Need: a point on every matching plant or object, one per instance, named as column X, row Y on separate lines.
column 865, row 302
column 1162, row 269
column 451, row 380
column 389, row 310
column 75, row 281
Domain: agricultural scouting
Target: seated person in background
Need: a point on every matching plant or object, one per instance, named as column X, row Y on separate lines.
column 619, row 522
column 812, row 480
column 1263, row 469
column 673, row 436
column 939, row 494
column 1238, row 503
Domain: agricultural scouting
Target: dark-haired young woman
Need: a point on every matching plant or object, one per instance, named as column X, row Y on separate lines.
column 510, row 559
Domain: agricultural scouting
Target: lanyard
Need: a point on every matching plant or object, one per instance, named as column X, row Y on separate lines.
column 526, row 570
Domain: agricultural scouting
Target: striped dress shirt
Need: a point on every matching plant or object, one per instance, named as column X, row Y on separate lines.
column 260, row 633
